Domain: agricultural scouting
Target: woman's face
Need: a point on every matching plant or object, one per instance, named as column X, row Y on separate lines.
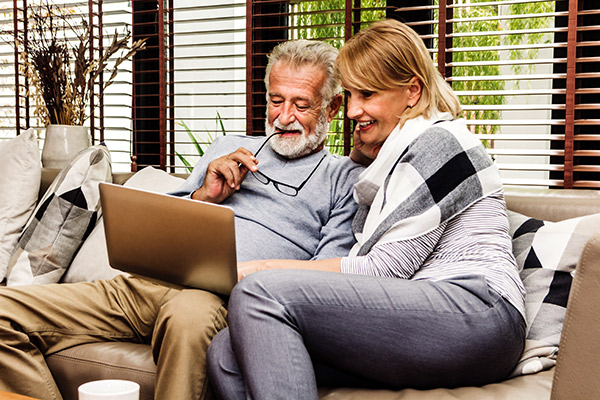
column 377, row 114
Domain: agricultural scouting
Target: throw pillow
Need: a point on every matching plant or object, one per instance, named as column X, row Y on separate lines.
column 62, row 220
column 91, row 262
column 547, row 254
column 20, row 174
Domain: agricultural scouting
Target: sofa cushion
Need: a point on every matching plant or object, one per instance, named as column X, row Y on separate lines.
column 62, row 220
column 19, row 182
column 547, row 254
column 91, row 262
column 112, row 360
column 522, row 387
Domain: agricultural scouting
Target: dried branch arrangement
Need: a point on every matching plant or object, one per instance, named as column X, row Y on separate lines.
column 60, row 70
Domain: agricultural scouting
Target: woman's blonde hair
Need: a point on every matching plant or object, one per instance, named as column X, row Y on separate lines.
column 388, row 54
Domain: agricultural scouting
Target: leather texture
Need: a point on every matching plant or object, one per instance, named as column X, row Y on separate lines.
column 574, row 376
column 576, row 369
column 531, row 387
column 552, row 204
column 115, row 360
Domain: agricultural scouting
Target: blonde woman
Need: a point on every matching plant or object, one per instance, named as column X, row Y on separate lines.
column 430, row 294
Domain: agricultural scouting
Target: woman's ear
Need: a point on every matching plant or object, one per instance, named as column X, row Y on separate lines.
column 414, row 90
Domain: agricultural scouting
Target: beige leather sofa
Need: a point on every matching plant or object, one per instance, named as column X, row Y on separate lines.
column 575, row 375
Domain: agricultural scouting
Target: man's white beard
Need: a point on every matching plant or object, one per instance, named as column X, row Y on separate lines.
column 297, row 145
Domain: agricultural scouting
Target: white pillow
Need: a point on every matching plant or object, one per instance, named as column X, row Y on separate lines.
column 20, row 175
column 91, row 262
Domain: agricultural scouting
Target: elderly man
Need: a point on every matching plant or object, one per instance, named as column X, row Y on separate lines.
column 291, row 197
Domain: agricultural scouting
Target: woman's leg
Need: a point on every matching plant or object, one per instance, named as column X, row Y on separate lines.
column 223, row 371
column 399, row 333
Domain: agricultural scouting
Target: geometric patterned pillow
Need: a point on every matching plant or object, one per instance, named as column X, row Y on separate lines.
column 547, row 254
column 91, row 262
column 63, row 219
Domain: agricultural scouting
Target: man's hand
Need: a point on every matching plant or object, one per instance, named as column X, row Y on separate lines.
column 225, row 175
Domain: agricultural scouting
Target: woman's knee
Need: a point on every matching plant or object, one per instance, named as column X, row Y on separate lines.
column 267, row 284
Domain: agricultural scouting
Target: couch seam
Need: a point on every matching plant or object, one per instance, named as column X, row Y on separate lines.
column 93, row 361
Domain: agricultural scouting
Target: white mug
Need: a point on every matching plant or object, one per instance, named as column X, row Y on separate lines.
column 113, row 389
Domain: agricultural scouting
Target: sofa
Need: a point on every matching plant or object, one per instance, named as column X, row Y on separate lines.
column 574, row 375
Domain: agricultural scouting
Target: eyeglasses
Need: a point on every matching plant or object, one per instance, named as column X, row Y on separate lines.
column 283, row 188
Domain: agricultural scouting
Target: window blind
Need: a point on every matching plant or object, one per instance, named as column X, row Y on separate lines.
column 526, row 73
column 109, row 114
column 190, row 85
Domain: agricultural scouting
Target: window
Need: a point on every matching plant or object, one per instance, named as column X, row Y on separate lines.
column 526, row 72
column 189, row 81
column 190, row 84
column 110, row 116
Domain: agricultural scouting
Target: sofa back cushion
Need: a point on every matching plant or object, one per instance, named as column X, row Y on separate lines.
column 20, row 172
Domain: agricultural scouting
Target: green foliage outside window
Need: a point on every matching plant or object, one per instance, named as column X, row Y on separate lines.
column 483, row 41
column 324, row 20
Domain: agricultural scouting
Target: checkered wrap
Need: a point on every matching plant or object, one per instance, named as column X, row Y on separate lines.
column 427, row 172
column 547, row 254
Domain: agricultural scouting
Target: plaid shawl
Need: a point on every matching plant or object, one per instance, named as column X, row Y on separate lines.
column 427, row 172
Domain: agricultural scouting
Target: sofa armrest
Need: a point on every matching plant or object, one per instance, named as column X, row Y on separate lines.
column 576, row 373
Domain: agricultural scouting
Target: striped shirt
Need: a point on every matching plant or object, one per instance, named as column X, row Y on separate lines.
column 474, row 242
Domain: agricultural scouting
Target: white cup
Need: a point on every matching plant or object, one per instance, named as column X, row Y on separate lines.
column 113, row 389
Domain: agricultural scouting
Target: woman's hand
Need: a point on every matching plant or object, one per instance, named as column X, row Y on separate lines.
column 246, row 268
column 360, row 151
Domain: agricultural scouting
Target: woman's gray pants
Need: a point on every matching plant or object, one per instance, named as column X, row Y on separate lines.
column 289, row 329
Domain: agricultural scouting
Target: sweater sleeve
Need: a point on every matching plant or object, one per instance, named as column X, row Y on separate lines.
column 196, row 178
column 399, row 259
column 336, row 238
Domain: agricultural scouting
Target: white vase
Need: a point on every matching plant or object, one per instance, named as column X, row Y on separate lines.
column 61, row 144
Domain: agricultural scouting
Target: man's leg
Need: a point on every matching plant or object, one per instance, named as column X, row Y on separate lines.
column 36, row 321
column 185, row 327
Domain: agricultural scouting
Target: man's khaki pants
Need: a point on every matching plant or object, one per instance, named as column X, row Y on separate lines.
column 36, row 321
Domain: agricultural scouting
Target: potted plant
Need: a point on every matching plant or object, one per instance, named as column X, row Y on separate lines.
column 62, row 73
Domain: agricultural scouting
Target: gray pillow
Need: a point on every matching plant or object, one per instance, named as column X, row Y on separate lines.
column 63, row 219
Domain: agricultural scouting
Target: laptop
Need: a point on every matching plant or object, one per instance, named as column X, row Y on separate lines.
column 170, row 239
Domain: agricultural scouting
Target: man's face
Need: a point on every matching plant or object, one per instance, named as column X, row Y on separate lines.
column 295, row 108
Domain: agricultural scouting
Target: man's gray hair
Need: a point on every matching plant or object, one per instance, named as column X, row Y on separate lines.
column 307, row 52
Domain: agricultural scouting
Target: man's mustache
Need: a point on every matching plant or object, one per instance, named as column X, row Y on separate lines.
column 294, row 126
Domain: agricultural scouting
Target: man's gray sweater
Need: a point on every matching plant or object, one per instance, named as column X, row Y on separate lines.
column 315, row 224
